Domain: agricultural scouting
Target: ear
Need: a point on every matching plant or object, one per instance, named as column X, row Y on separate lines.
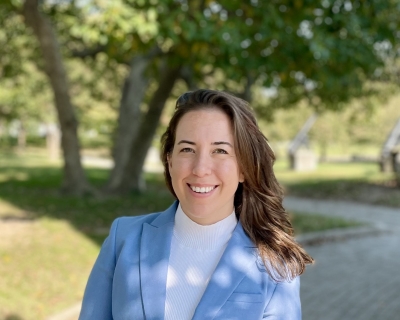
column 241, row 177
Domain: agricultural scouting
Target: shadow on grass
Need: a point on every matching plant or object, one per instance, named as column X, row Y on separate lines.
column 13, row 317
column 36, row 191
column 386, row 194
column 352, row 181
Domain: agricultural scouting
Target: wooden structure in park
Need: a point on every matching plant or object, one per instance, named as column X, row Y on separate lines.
column 390, row 154
column 301, row 158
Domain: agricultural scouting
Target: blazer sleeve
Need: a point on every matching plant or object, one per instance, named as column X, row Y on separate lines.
column 96, row 302
column 285, row 302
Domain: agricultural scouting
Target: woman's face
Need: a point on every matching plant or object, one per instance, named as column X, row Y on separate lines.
column 203, row 166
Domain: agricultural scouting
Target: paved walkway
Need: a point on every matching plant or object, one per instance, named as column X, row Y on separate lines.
column 356, row 277
column 357, row 272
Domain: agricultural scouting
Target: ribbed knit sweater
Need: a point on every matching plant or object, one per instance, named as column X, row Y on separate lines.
column 195, row 253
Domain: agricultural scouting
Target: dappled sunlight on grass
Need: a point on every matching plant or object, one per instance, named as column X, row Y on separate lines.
column 50, row 241
column 9, row 210
column 46, row 265
column 29, row 157
column 39, row 193
column 15, row 175
column 353, row 181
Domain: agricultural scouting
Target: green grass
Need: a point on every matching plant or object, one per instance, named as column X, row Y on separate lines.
column 45, row 265
column 50, row 241
column 362, row 182
column 308, row 222
column 34, row 188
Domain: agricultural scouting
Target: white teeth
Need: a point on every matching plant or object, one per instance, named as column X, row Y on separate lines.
column 202, row 189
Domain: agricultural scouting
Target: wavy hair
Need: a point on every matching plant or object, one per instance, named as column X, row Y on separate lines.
column 258, row 200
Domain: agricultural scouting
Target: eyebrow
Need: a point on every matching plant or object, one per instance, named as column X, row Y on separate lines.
column 216, row 143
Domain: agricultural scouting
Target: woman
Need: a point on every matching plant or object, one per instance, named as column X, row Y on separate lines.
column 224, row 249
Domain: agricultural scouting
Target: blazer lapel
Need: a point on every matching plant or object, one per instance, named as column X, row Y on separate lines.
column 238, row 257
column 155, row 248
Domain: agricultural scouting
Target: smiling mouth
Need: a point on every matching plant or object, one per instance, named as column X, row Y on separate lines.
column 202, row 189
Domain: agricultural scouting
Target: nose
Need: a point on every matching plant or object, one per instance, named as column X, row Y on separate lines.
column 202, row 165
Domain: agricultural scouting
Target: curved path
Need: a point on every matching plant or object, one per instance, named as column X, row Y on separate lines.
column 354, row 278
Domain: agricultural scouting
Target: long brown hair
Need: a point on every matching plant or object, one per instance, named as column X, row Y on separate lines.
column 258, row 200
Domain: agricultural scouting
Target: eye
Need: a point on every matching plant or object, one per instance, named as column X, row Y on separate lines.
column 220, row 151
column 187, row 150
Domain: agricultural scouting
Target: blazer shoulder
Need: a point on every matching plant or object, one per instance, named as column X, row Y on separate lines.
column 126, row 225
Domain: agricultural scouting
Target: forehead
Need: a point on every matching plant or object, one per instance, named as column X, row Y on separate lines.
column 205, row 123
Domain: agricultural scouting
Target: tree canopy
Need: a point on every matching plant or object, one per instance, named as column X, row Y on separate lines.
column 123, row 58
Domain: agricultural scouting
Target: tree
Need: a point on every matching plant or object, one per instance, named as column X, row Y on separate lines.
column 24, row 98
column 324, row 53
column 74, row 177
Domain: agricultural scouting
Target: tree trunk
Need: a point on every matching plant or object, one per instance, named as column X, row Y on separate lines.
column 129, row 118
column 74, row 177
column 187, row 76
column 132, row 178
column 247, row 94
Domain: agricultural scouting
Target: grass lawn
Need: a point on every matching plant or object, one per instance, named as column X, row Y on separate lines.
column 308, row 222
column 44, row 264
column 48, row 242
column 362, row 182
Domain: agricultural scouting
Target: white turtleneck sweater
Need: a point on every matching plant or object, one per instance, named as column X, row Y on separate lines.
column 195, row 253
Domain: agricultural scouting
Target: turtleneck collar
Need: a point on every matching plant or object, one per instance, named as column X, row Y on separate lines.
column 196, row 236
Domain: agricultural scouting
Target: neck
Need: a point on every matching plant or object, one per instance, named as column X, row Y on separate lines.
column 204, row 237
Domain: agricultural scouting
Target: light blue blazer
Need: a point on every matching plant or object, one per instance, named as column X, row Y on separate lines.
column 128, row 280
